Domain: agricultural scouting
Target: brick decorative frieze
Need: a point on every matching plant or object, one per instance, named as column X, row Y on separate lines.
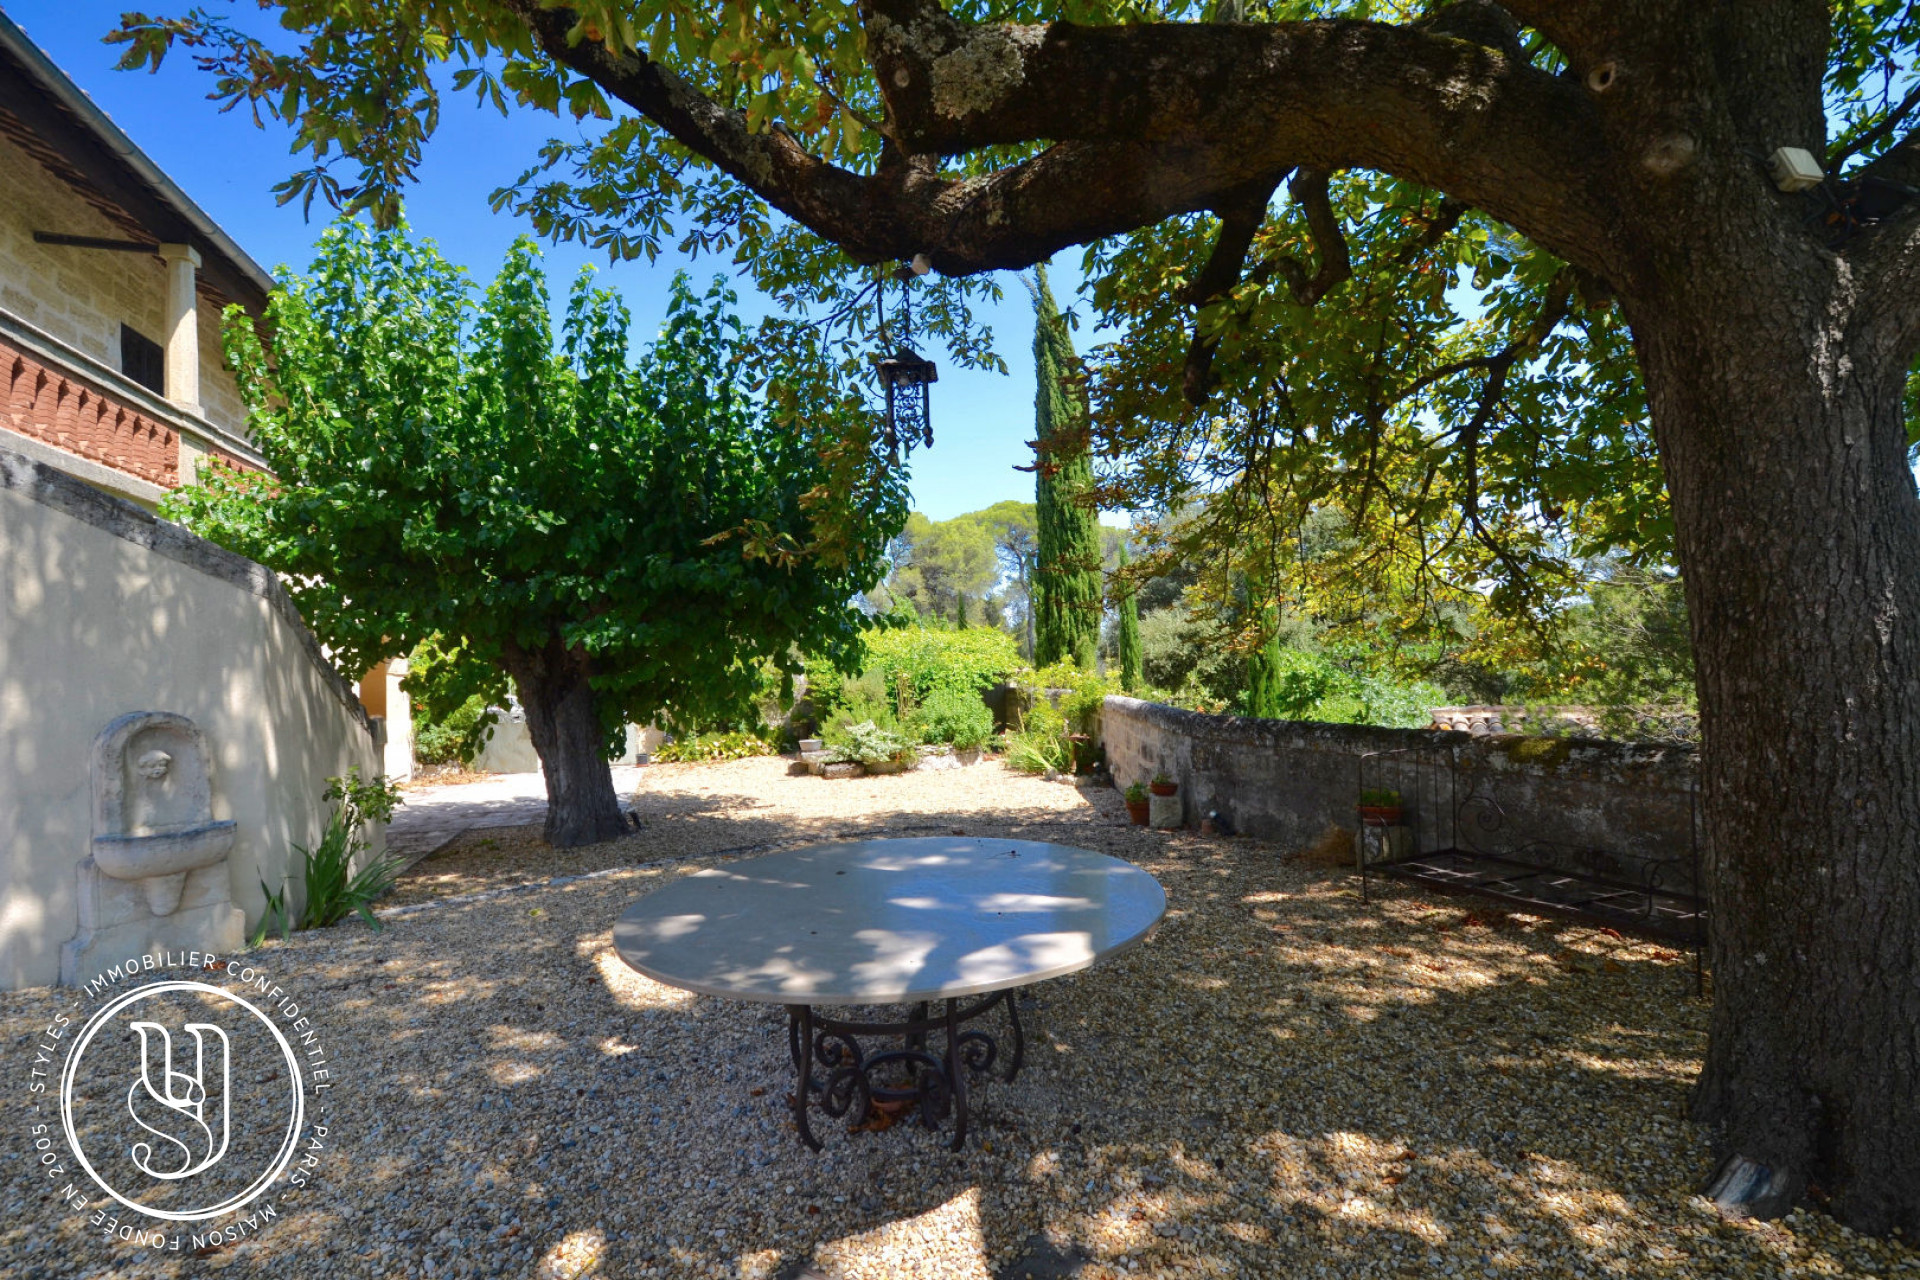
column 60, row 408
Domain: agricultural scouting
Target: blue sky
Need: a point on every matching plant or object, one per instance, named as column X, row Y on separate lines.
column 981, row 420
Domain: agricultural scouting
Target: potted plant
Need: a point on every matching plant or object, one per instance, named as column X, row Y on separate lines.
column 1162, row 785
column 1381, row 807
column 971, row 738
column 1137, row 804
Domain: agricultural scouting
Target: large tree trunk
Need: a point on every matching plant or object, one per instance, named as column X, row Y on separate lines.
column 555, row 691
column 1779, row 423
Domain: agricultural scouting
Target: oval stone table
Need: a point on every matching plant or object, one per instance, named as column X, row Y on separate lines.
column 959, row 921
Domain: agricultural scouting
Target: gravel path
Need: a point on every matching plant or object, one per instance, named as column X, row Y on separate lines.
column 1281, row 1082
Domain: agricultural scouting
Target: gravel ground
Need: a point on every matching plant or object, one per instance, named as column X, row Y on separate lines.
column 1281, row 1082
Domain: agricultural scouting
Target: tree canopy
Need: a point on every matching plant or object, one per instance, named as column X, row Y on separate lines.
column 1472, row 407
column 938, row 564
column 973, row 557
column 443, row 469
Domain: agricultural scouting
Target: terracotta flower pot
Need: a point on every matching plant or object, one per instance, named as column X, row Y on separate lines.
column 1137, row 812
column 1381, row 815
column 1164, row 788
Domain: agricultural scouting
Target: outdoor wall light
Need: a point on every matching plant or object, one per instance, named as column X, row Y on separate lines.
column 1794, row 169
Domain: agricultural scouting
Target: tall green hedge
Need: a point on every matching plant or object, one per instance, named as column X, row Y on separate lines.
column 967, row 661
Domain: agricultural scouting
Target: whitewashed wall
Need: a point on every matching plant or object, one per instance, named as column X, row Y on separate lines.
column 106, row 610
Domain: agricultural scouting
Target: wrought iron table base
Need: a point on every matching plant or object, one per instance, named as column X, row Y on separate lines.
column 856, row 1078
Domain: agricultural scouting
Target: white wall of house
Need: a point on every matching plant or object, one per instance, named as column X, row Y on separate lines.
column 103, row 611
column 382, row 696
column 509, row 749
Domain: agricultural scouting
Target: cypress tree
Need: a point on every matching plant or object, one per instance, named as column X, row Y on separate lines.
column 1066, row 585
column 1263, row 677
column 1129, row 610
column 960, row 610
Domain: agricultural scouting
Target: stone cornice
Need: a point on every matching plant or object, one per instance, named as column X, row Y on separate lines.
column 111, row 382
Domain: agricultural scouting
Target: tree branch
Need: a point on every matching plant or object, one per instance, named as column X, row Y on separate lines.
column 1148, row 121
column 1309, row 189
column 1899, row 163
column 1881, row 131
column 1558, row 302
column 1481, row 21
column 1888, row 255
column 1578, row 28
column 1444, row 220
column 1240, row 218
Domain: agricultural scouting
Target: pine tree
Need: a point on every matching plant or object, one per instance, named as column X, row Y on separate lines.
column 1066, row 587
column 1128, row 606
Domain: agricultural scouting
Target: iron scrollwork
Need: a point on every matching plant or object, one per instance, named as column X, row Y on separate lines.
column 835, row 1066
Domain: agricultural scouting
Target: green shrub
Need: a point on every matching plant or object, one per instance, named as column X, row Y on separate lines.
column 1301, row 681
column 908, row 668
column 964, row 661
column 851, row 699
column 456, row 738
column 711, row 747
column 1185, row 655
column 1036, row 752
column 1372, row 700
column 1060, row 705
column 956, row 717
column 333, row 888
column 867, row 743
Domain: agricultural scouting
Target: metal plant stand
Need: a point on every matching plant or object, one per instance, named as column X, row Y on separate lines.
column 1460, row 841
column 858, row 1077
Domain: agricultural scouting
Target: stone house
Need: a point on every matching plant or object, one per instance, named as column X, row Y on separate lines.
column 112, row 282
column 112, row 391
column 112, row 285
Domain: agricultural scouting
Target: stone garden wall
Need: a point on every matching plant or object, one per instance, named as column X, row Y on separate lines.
column 1292, row 781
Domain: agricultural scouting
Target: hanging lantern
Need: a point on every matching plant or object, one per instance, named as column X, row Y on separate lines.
column 906, row 376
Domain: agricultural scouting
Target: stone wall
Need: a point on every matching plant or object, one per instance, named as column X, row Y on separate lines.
column 106, row 611
column 1600, row 806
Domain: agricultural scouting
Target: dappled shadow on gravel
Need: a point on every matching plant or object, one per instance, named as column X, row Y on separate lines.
column 755, row 806
column 1281, row 1081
